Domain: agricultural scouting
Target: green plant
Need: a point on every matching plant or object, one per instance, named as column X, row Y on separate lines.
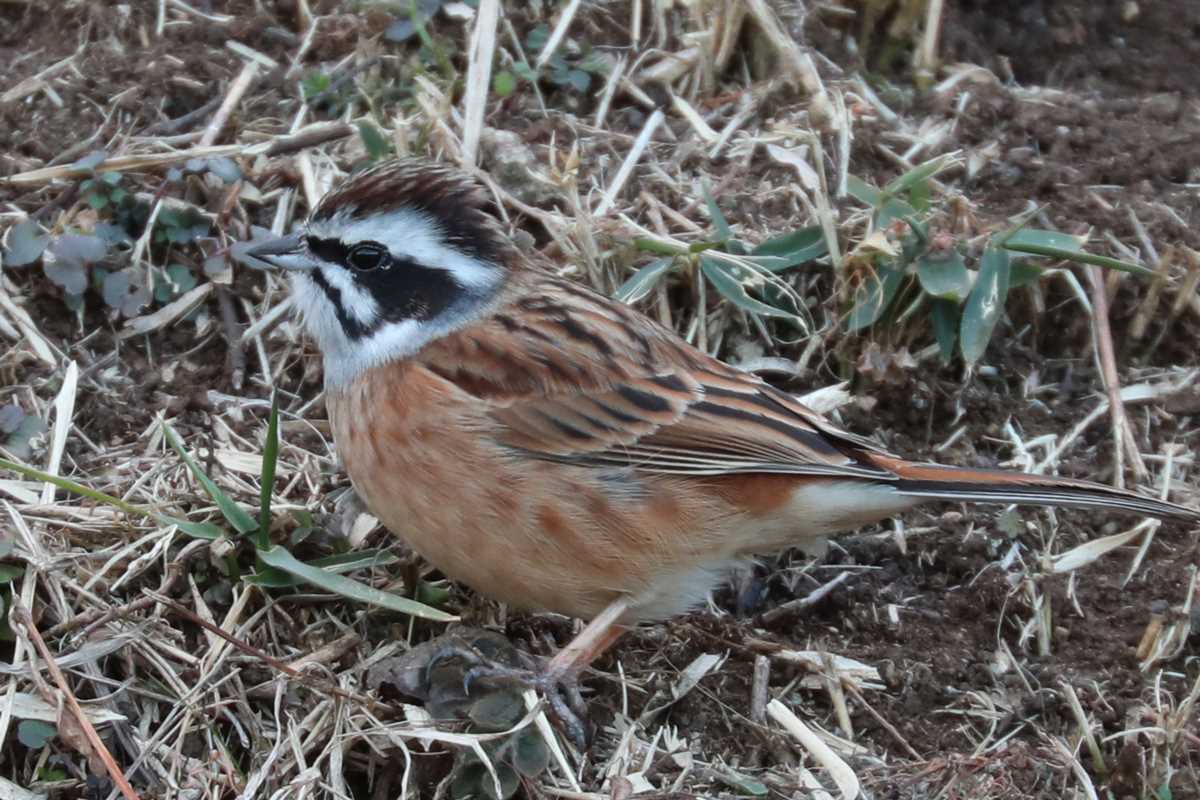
column 908, row 266
column 746, row 276
column 76, row 260
column 244, row 533
column 520, row 754
column 565, row 71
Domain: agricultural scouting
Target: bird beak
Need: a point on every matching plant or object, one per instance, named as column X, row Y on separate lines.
column 285, row 252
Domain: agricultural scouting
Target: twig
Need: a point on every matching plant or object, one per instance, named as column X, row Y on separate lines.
column 168, row 126
column 758, row 689
column 237, row 356
column 556, row 37
column 310, row 136
column 324, row 686
column 479, row 76
column 238, row 88
column 627, row 166
column 801, row 603
column 20, row 614
column 1122, row 436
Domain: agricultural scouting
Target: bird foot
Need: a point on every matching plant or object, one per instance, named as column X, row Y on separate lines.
column 559, row 687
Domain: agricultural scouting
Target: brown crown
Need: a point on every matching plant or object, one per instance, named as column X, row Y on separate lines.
column 451, row 197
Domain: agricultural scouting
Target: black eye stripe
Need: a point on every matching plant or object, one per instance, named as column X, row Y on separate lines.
column 405, row 290
column 331, row 250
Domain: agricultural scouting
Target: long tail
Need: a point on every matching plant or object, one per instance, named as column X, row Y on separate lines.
column 998, row 486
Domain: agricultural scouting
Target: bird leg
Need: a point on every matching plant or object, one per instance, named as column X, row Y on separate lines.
column 558, row 680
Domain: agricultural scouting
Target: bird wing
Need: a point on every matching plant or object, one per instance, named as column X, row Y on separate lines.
column 575, row 377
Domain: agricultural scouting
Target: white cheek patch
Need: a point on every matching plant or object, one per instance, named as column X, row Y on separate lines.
column 358, row 303
column 412, row 235
column 416, row 242
column 344, row 357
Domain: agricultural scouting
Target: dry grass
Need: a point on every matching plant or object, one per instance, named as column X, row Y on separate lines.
column 152, row 663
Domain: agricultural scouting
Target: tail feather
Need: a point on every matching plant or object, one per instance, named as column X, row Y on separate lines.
column 938, row 482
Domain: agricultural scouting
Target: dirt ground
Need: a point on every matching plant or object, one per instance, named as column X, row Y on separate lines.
column 1089, row 110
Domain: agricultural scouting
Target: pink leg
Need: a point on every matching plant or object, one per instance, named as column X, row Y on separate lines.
column 595, row 638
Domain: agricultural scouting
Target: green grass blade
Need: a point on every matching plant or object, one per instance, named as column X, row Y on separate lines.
column 237, row 516
column 1078, row 257
column 279, row 558
column 648, row 245
column 267, row 479
column 199, row 530
column 795, row 248
column 722, row 277
column 985, row 304
column 341, row 563
column 720, row 224
column 881, row 290
column 644, row 280
column 945, row 327
column 1040, row 238
column 919, row 173
column 862, row 191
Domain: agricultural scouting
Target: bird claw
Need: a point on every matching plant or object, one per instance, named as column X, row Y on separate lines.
column 561, row 690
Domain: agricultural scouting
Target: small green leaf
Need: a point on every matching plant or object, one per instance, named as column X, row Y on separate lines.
column 878, row 292
column 504, row 83
column 97, row 201
column 862, row 191
column 795, row 248
column 373, row 140
column 731, row 280
column 644, row 280
column 578, row 80
column 945, row 327
column 893, row 208
column 234, row 514
column 524, row 71
column 497, row 711
column 181, row 278
column 985, row 303
column 1023, row 273
column 537, row 37
column 25, row 244
column 530, row 756
column 944, row 275
column 19, row 441
column 280, row 558
column 33, row 733
column 225, row 168
column 10, row 572
column 91, row 160
column 720, row 224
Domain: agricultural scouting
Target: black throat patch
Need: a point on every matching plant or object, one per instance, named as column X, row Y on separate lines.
column 403, row 289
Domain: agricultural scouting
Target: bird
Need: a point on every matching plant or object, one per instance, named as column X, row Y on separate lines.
column 554, row 448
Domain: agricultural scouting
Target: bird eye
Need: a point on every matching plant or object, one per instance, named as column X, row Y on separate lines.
column 368, row 256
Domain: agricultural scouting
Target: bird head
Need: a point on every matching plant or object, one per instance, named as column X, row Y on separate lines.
column 395, row 257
